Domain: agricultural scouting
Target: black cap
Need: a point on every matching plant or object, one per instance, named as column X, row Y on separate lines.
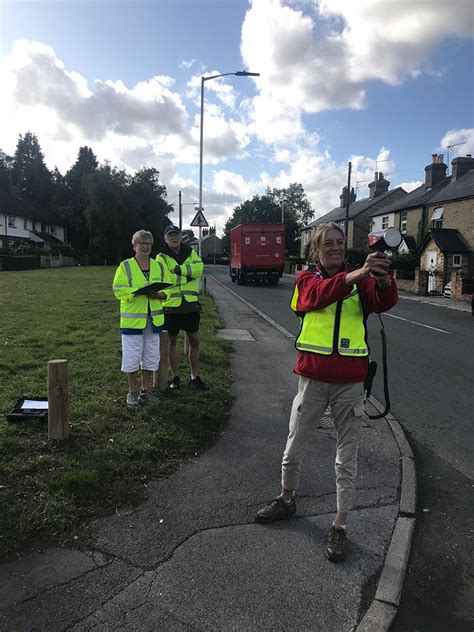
column 171, row 229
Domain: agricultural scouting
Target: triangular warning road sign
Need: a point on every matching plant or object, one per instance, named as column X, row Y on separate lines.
column 199, row 220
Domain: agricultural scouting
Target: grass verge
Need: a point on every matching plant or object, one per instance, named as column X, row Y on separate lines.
column 50, row 490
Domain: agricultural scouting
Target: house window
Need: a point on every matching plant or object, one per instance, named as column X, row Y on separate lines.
column 384, row 222
column 437, row 218
column 457, row 261
column 11, row 222
column 25, row 224
column 43, row 227
column 305, row 237
column 403, row 222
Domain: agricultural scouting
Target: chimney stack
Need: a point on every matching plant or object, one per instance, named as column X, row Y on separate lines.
column 460, row 166
column 343, row 197
column 379, row 185
column 436, row 172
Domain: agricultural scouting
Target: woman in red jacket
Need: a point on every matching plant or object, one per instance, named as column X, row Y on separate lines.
column 332, row 363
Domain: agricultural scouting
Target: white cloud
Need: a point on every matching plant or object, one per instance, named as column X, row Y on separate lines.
column 323, row 58
column 410, row 186
column 187, row 64
column 461, row 142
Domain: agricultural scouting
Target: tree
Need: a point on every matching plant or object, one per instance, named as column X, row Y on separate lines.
column 73, row 212
column 6, row 165
column 148, row 198
column 30, row 176
column 110, row 220
column 267, row 209
column 119, row 205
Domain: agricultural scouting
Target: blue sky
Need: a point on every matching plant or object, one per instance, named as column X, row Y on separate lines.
column 373, row 80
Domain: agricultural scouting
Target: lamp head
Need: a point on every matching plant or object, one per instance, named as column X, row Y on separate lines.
column 244, row 73
column 388, row 239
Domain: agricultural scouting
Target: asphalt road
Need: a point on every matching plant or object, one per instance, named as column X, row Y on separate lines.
column 431, row 364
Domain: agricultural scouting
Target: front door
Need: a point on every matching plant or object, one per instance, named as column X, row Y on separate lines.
column 431, row 264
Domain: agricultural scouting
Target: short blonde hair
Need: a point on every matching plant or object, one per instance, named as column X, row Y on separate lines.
column 140, row 235
column 317, row 238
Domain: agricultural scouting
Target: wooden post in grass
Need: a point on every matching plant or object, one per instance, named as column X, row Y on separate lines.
column 161, row 376
column 58, row 426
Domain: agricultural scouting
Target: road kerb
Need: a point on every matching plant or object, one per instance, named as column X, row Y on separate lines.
column 379, row 617
column 394, row 568
column 408, row 487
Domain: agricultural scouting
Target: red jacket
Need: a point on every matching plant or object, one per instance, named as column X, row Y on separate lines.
column 315, row 291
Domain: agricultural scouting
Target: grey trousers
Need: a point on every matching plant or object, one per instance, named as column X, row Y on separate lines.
column 312, row 399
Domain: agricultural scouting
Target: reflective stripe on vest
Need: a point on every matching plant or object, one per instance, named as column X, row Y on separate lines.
column 133, row 315
column 128, row 272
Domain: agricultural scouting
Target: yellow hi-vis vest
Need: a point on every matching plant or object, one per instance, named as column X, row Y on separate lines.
column 134, row 310
column 186, row 284
column 338, row 327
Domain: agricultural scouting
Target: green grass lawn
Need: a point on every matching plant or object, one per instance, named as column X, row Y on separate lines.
column 52, row 489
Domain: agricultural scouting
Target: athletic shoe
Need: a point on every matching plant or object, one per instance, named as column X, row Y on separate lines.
column 336, row 548
column 198, row 383
column 133, row 400
column 175, row 383
column 146, row 397
column 278, row 509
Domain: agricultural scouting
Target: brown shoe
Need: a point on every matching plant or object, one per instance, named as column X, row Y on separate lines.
column 336, row 548
column 276, row 510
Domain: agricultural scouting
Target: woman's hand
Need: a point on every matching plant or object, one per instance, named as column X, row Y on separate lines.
column 376, row 265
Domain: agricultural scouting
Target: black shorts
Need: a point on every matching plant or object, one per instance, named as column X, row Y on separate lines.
column 174, row 323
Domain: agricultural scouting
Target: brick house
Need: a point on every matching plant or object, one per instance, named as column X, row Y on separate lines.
column 360, row 212
column 444, row 251
column 439, row 216
column 23, row 221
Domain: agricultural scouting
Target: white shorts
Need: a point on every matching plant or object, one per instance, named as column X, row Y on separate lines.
column 141, row 351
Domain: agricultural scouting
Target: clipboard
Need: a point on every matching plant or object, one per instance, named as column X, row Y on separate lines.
column 157, row 286
column 27, row 408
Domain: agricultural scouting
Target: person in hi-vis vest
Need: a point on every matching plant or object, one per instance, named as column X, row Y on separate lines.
column 141, row 317
column 332, row 304
column 181, row 266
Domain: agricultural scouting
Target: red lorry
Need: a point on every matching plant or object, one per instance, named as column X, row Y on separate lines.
column 257, row 251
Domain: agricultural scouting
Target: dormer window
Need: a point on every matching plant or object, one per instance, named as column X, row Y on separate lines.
column 437, row 218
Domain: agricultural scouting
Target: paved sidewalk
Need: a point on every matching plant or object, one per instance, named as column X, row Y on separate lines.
column 439, row 301
column 191, row 557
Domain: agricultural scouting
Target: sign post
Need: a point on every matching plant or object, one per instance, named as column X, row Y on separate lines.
column 200, row 221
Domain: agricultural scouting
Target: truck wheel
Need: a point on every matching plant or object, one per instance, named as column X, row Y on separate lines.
column 240, row 277
column 232, row 275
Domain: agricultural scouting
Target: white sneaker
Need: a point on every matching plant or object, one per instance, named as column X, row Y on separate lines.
column 133, row 400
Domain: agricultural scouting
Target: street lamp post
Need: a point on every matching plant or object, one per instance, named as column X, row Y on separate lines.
column 239, row 73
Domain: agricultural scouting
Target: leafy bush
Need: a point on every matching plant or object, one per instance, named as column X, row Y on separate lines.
column 408, row 262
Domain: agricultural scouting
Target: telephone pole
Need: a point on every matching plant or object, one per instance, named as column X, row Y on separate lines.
column 348, row 197
column 180, row 209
